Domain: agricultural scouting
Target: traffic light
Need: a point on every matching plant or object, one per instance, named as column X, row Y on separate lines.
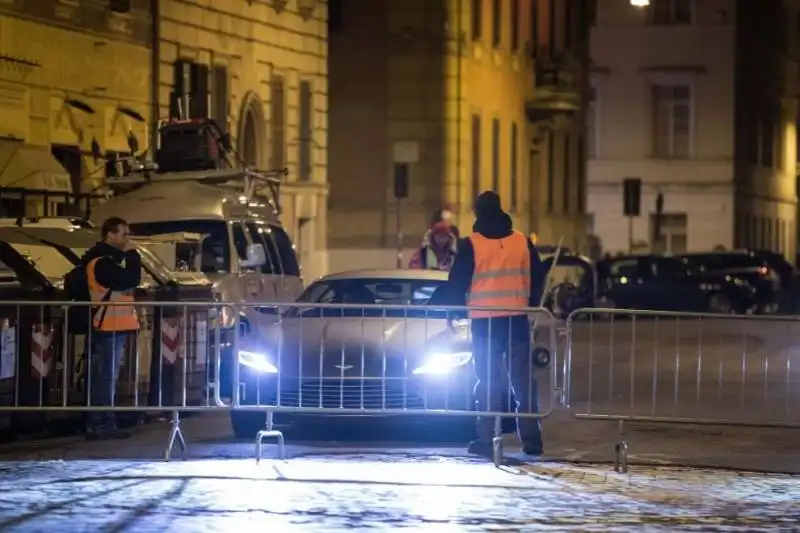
column 631, row 196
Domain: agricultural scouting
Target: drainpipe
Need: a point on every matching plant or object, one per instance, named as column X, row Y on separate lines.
column 155, row 75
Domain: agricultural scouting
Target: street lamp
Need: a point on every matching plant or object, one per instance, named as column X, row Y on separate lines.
column 640, row 3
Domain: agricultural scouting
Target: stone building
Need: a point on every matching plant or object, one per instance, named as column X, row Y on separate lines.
column 264, row 65
column 476, row 95
column 698, row 98
column 81, row 78
column 73, row 75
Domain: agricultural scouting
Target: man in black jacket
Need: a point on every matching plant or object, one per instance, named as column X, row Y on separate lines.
column 493, row 338
column 117, row 270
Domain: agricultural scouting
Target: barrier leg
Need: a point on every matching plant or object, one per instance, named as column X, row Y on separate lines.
column 175, row 433
column 621, row 450
column 497, row 442
column 267, row 433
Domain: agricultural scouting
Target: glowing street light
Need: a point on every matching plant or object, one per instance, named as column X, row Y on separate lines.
column 640, row 3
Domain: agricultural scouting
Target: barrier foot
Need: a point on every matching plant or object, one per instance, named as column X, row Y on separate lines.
column 621, row 457
column 268, row 433
column 621, row 450
column 175, row 433
column 497, row 442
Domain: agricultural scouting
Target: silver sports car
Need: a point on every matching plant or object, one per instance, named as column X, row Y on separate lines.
column 336, row 349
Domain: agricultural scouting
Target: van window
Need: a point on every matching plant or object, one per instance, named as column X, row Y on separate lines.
column 216, row 253
column 258, row 233
column 286, row 251
column 239, row 240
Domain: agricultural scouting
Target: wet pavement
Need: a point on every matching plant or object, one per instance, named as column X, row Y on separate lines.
column 71, row 485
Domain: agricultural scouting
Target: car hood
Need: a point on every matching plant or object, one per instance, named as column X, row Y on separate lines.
column 388, row 335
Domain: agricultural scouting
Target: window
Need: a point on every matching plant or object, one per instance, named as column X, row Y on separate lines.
column 306, row 148
column 551, row 158
column 515, row 22
column 592, row 124
column 514, row 167
column 277, row 121
column 671, row 121
column 477, row 20
column 476, row 154
column 768, row 134
column 114, row 166
column 581, row 181
column 240, row 241
column 219, row 96
column 214, row 250
column 334, row 15
column 286, row 250
column 667, row 12
column 673, row 233
column 497, row 22
column 496, row 155
column 567, row 174
column 71, row 159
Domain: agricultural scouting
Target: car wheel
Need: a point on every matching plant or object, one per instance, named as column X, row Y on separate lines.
column 246, row 424
column 720, row 304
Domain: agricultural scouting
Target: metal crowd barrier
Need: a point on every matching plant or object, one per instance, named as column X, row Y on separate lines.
column 300, row 360
column 681, row 368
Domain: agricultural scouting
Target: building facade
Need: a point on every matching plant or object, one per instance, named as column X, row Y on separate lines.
column 472, row 95
column 263, row 66
column 83, row 80
column 74, row 85
column 697, row 98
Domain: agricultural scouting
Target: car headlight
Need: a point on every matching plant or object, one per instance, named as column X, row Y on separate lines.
column 440, row 363
column 257, row 361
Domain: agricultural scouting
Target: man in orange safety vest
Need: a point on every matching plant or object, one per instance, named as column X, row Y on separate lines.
column 113, row 271
column 499, row 267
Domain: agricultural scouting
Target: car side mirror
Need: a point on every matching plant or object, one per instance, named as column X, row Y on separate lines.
column 256, row 256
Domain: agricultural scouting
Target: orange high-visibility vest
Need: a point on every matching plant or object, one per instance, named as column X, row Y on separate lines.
column 111, row 317
column 502, row 275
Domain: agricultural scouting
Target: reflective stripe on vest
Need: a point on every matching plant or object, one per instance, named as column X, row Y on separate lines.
column 111, row 317
column 502, row 275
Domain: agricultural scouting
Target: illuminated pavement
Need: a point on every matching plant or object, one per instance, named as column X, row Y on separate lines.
column 383, row 494
column 346, row 486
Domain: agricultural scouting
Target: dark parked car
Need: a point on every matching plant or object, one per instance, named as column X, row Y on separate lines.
column 652, row 282
column 754, row 268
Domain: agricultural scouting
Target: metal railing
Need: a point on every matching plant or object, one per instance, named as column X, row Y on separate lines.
column 681, row 368
column 299, row 360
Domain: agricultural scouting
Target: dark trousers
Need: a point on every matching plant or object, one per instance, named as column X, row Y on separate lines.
column 103, row 370
column 501, row 352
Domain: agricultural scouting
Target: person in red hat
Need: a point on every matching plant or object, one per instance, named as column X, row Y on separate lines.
column 438, row 248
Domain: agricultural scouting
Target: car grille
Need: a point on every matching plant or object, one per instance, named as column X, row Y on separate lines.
column 350, row 394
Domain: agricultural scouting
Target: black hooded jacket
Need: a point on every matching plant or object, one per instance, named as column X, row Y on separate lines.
column 492, row 225
column 109, row 270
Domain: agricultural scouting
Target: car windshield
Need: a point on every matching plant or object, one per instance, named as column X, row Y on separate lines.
column 214, row 253
column 366, row 291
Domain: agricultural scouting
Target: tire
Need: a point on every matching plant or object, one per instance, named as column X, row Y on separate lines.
column 246, row 424
column 720, row 304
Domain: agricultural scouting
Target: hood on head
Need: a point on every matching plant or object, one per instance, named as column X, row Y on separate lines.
column 490, row 219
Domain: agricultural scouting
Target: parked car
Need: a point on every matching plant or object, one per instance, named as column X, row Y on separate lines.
column 654, row 282
column 747, row 266
column 352, row 357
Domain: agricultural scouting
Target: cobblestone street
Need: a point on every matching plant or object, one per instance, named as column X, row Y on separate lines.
column 69, row 484
column 383, row 493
